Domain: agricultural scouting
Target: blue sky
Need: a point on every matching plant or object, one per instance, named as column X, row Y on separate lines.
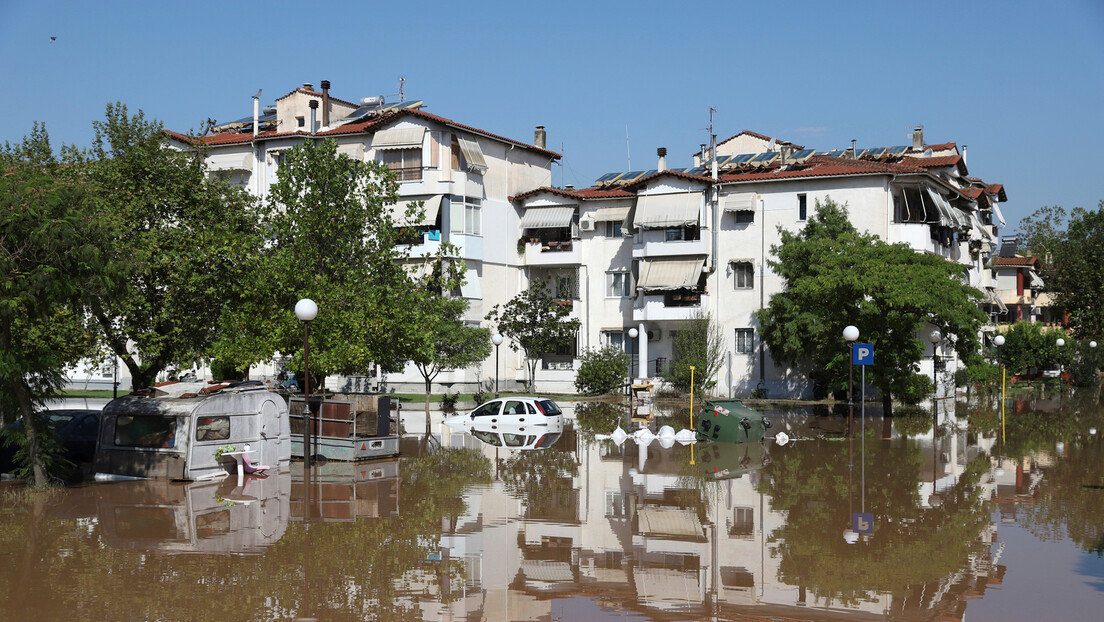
column 1020, row 83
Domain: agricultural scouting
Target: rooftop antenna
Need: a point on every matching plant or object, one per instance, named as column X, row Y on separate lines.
column 402, row 81
column 712, row 136
column 628, row 153
column 561, row 164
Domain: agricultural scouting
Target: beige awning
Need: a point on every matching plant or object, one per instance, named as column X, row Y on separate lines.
column 354, row 150
column 473, row 154
column 230, row 162
column 398, row 138
column 548, row 217
column 982, row 231
column 670, row 274
column 432, row 206
column 671, row 522
column 995, row 299
column 1036, row 282
column 611, row 214
column 540, row 570
column 740, row 202
column 659, row 211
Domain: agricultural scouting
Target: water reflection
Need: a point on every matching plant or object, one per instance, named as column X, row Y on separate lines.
column 462, row 530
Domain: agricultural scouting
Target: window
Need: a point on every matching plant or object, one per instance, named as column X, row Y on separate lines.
column 743, row 521
column 613, row 229
column 457, row 157
column 744, row 216
column 618, row 504
column 406, row 164
column 466, row 215
column 745, row 340
column 618, row 285
column 677, row 234
column 802, row 207
column 145, row 431
column 745, row 275
column 212, row 428
column 300, row 121
column 620, row 340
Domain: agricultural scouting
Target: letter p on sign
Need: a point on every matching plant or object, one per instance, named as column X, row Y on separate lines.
column 862, row 354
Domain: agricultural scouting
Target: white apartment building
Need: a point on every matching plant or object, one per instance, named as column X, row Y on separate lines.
column 650, row 249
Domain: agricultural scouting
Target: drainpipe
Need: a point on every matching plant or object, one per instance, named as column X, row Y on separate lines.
column 325, row 103
column 314, row 111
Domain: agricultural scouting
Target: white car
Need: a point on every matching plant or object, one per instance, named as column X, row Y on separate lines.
column 513, row 422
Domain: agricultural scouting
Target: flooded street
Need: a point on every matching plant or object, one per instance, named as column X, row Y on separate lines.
column 901, row 520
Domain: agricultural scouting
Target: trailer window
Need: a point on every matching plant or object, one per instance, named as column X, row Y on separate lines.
column 212, row 428
column 145, row 431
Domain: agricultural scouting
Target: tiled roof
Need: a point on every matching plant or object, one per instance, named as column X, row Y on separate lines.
column 949, row 160
column 1016, row 261
column 997, row 189
column 317, row 94
column 760, row 137
column 611, row 192
column 942, row 147
column 973, row 193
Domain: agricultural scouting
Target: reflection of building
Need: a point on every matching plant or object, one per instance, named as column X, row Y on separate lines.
column 647, row 533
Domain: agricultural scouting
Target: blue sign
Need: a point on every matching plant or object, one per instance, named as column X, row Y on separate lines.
column 862, row 523
column 862, row 354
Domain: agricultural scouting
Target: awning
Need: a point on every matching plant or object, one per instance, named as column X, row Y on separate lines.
column 353, row 150
column 998, row 214
column 611, row 214
column 995, row 299
column 740, row 202
column 670, row 274
column 948, row 216
column 659, row 211
column 231, row 162
column 553, row 217
column 473, row 154
column 672, row 522
column 982, row 230
column 1036, row 282
column 399, row 138
column 540, row 570
column 432, row 207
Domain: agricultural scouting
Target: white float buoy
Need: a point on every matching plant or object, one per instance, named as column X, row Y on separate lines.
column 666, row 432
column 781, row 438
column 619, row 435
column 686, row 436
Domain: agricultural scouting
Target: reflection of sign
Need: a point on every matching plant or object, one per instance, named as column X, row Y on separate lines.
column 862, row 354
column 862, row 523
column 434, row 556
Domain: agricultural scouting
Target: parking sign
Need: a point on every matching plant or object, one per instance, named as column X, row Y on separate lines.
column 862, row 354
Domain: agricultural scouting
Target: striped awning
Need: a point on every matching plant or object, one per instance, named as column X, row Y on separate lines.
column 398, row 138
column 659, row 211
column 1036, row 282
column 982, row 231
column 432, row 205
column 611, row 214
column 230, row 162
column 949, row 216
column 670, row 273
column 472, row 154
column 540, row 570
column 740, row 202
column 553, row 217
column 671, row 522
column 995, row 299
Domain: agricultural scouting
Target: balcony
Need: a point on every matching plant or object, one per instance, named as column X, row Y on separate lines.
column 675, row 305
column 659, row 248
column 551, row 252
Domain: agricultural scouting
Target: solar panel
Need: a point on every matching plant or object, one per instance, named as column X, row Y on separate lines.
column 898, row 150
column 875, row 152
column 764, row 159
column 608, row 177
column 743, row 158
column 677, row 170
column 648, row 173
column 697, row 170
column 836, row 153
column 630, row 176
column 800, row 156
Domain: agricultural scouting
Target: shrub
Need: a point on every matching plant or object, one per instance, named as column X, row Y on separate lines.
column 448, row 401
column 602, row 371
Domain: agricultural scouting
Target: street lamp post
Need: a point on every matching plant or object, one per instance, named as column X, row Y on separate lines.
column 306, row 310
column 851, row 333
column 935, row 337
column 999, row 341
column 496, row 339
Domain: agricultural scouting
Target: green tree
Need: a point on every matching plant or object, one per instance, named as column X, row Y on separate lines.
column 444, row 340
column 179, row 238
column 330, row 235
column 1029, row 346
column 52, row 267
column 602, row 371
column 835, row 276
column 536, row 323
column 1041, row 233
column 698, row 343
column 1076, row 280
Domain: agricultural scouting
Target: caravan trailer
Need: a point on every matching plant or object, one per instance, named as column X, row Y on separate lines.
column 193, row 431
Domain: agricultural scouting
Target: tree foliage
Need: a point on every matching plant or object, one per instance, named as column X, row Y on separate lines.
column 179, row 239
column 602, row 371
column 51, row 269
column 329, row 235
column 1029, row 346
column 835, row 276
column 699, row 343
column 1076, row 278
column 536, row 323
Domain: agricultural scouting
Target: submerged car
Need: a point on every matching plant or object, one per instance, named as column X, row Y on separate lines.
column 75, row 431
column 512, row 410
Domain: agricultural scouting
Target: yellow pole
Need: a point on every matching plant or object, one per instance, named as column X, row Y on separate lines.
column 692, row 411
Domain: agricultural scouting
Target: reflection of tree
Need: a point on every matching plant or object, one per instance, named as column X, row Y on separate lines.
column 598, row 418
column 367, row 569
column 910, row 546
column 1070, row 502
column 543, row 480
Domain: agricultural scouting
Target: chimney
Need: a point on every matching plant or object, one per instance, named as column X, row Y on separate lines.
column 569, row 187
column 662, row 153
column 256, row 114
column 963, row 155
column 308, row 86
column 854, row 152
column 540, row 137
column 787, row 151
column 325, row 103
column 314, row 112
column 918, row 138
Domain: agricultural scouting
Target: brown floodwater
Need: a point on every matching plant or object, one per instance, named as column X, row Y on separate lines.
column 897, row 521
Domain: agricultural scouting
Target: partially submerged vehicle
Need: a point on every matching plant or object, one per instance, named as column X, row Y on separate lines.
column 514, row 410
column 350, row 428
column 729, row 421
column 193, row 431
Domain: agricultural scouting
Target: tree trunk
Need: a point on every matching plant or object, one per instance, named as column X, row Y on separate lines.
column 34, row 446
column 887, row 404
column 428, row 385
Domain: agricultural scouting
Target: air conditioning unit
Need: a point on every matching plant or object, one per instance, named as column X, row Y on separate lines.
column 655, row 334
column 586, row 224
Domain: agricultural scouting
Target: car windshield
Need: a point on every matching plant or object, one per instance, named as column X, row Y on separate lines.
column 549, row 407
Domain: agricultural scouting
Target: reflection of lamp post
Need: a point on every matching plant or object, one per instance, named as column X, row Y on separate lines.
column 935, row 337
column 496, row 339
column 999, row 341
column 851, row 333
column 306, row 311
column 633, row 334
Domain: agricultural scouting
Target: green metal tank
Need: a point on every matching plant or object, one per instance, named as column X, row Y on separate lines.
column 729, row 421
